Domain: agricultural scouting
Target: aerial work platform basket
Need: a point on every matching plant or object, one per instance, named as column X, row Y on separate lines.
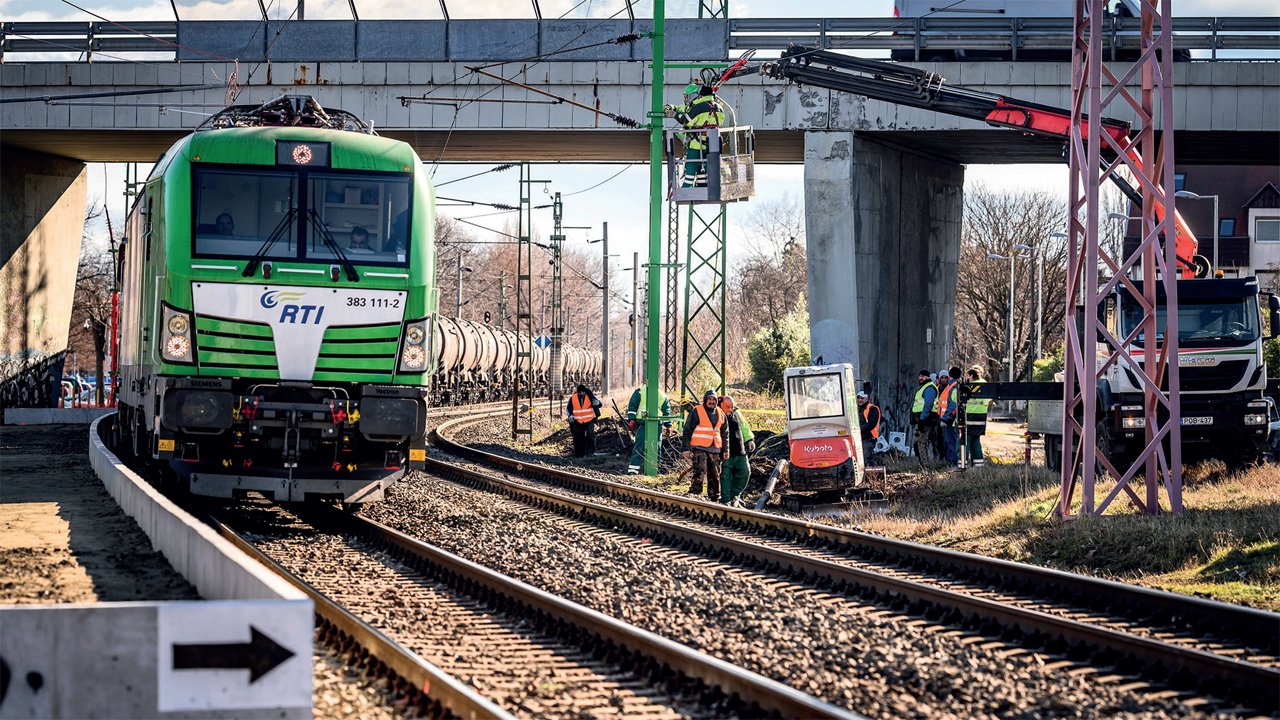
column 727, row 172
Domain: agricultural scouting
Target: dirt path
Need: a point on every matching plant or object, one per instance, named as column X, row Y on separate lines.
column 62, row 537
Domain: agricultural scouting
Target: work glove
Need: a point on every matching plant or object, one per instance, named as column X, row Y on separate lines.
column 669, row 111
column 631, row 424
column 751, row 446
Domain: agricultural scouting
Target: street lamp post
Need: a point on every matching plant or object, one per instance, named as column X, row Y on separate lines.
column 1193, row 196
column 1008, row 345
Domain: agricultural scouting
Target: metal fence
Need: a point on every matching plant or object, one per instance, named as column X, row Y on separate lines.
column 925, row 38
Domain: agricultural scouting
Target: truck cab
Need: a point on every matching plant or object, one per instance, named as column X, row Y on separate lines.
column 822, row 428
column 1222, row 373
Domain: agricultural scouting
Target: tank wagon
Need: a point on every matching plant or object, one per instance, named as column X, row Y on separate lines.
column 476, row 362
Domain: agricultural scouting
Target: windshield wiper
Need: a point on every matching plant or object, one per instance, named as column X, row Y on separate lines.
column 350, row 269
column 252, row 267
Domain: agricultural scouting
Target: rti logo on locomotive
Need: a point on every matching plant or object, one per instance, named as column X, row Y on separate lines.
column 286, row 300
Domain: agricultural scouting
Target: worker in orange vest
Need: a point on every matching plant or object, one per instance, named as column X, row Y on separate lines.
column 583, row 409
column 706, row 434
column 948, row 404
column 870, row 425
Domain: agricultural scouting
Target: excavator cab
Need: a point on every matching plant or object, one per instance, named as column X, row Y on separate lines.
column 727, row 174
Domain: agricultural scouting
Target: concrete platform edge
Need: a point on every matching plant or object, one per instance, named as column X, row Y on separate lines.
column 217, row 569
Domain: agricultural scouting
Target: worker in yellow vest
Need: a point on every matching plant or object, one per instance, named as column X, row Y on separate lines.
column 870, row 425
column 582, row 410
column 975, row 421
column 706, row 436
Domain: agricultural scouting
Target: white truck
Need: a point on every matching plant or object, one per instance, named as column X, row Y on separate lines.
column 1222, row 375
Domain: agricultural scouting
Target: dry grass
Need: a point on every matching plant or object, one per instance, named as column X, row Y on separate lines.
column 1226, row 545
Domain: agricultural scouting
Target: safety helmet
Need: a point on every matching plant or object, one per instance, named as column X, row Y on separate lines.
column 691, row 89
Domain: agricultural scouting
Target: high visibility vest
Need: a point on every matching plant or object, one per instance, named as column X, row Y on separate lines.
column 977, row 406
column 642, row 407
column 944, row 398
column 866, row 413
column 704, row 112
column 582, row 410
column 918, row 406
column 705, row 434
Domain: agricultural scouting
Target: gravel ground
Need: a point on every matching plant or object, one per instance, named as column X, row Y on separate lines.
column 342, row 692
column 856, row 656
column 512, row 662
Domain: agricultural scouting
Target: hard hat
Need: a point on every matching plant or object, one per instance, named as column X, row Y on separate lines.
column 862, row 393
column 691, row 89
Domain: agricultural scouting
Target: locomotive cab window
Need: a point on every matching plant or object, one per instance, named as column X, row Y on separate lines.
column 365, row 215
column 237, row 211
column 815, row 396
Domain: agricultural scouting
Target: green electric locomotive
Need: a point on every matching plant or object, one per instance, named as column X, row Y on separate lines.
column 277, row 285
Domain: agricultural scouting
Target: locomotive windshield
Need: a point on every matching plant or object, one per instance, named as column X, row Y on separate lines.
column 815, row 396
column 301, row 215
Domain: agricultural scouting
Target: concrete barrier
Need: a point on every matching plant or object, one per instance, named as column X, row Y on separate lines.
column 54, row 416
column 246, row 651
column 218, row 569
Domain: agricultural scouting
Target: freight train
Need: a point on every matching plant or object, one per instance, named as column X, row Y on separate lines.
column 277, row 327
column 477, row 363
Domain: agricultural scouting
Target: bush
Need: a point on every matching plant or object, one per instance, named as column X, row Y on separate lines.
column 774, row 349
column 1271, row 356
column 1045, row 369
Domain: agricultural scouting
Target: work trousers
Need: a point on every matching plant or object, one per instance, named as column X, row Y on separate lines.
column 584, row 438
column 973, row 447
column 706, row 463
column 636, row 465
column 734, row 477
column 695, row 168
column 950, row 441
column 869, row 449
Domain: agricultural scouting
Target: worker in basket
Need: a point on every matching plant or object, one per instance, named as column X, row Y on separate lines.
column 701, row 110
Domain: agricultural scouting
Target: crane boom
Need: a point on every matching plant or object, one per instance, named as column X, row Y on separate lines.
column 914, row 87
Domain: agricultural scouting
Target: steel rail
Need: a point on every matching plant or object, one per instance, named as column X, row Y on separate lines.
column 453, row 695
column 1258, row 624
column 1199, row 663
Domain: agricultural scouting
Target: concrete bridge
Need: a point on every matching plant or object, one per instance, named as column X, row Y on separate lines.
column 882, row 182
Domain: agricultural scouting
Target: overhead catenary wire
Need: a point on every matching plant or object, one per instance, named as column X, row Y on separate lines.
column 145, row 35
column 499, row 168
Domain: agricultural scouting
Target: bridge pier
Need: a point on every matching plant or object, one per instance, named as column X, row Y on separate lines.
column 42, row 211
column 883, row 240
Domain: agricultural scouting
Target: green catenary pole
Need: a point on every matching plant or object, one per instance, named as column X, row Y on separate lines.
column 652, row 421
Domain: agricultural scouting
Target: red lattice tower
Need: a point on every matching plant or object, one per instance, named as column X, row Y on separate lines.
column 1094, row 156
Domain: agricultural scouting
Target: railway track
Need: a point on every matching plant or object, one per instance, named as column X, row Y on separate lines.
column 1118, row 633
column 453, row 636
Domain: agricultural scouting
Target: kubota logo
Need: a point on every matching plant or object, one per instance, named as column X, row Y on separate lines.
column 820, row 448
column 271, row 298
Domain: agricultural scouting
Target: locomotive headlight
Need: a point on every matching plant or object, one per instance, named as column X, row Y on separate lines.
column 413, row 350
column 177, row 347
column 177, row 343
column 413, row 357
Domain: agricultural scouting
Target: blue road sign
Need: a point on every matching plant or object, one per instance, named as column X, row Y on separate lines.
column 543, row 342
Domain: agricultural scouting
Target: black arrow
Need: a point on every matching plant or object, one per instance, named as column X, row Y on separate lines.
column 259, row 656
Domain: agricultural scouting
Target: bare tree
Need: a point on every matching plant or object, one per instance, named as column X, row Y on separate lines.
column 993, row 224
column 91, row 306
column 770, row 275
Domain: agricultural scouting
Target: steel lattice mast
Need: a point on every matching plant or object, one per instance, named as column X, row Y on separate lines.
column 1153, row 260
